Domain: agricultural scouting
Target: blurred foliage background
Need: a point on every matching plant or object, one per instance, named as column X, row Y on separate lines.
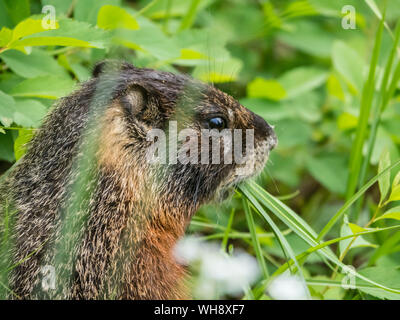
column 291, row 62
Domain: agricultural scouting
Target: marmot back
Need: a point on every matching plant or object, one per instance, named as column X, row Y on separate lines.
column 86, row 203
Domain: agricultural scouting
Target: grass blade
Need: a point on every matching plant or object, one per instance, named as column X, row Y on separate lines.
column 254, row 239
column 282, row 240
column 385, row 96
column 365, row 110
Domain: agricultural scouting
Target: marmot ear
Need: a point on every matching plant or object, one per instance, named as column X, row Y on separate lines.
column 135, row 100
column 110, row 65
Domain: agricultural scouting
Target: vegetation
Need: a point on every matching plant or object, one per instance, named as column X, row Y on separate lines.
column 329, row 197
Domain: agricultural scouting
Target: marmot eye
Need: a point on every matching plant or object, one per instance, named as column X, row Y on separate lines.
column 217, row 123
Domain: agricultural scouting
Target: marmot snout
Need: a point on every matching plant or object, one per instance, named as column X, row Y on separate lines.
column 117, row 237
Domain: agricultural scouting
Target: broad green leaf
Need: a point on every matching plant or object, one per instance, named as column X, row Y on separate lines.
column 308, row 36
column 26, row 28
column 384, row 181
column 61, row 6
column 17, row 9
column 88, row 10
column 29, row 113
column 330, row 170
column 49, row 87
column 7, row 148
column 292, row 133
column 300, row 80
column 334, row 87
column 113, row 17
column 37, row 63
column 356, row 228
column 20, row 144
column 396, row 180
column 190, row 54
column 263, row 88
column 349, row 64
column 7, row 105
column 149, row 38
column 69, row 33
column 384, row 275
column 224, row 71
column 347, row 121
column 393, row 213
column 54, row 41
column 345, row 230
column 5, row 36
column 178, row 8
column 395, row 194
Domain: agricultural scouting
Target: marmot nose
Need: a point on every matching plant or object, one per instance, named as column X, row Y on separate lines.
column 264, row 130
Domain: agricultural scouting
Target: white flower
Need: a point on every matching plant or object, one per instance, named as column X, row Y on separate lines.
column 188, row 249
column 287, row 287
column 218, row 271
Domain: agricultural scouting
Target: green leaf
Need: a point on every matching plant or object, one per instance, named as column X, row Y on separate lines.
column 346, row 230
column 29, row 113
column 7, row 148
column 347, row 121
column 356, row 228
column 224, row 71
column 112, row 17
column 396, row 180
column 384, row 275
column 330, row 170
column 26, row 28
column 69, row 33
column 7, row 105
column 334, row 87
column 384, row 181
column 37, row 63
column 308, row 37
column 393, row 213
column 61, row 6
column 88, row 10
column 17, row 9
column 300, row 80
column 49, row 87
column 263, row 88
column 5, row 36
column 149, row 38
column 349, row 64
column 395, row 194
column 20, row 144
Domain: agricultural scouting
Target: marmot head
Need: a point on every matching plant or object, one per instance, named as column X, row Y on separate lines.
column 218, row 142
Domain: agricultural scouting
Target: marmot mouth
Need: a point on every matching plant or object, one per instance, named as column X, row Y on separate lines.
column 248, row 170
